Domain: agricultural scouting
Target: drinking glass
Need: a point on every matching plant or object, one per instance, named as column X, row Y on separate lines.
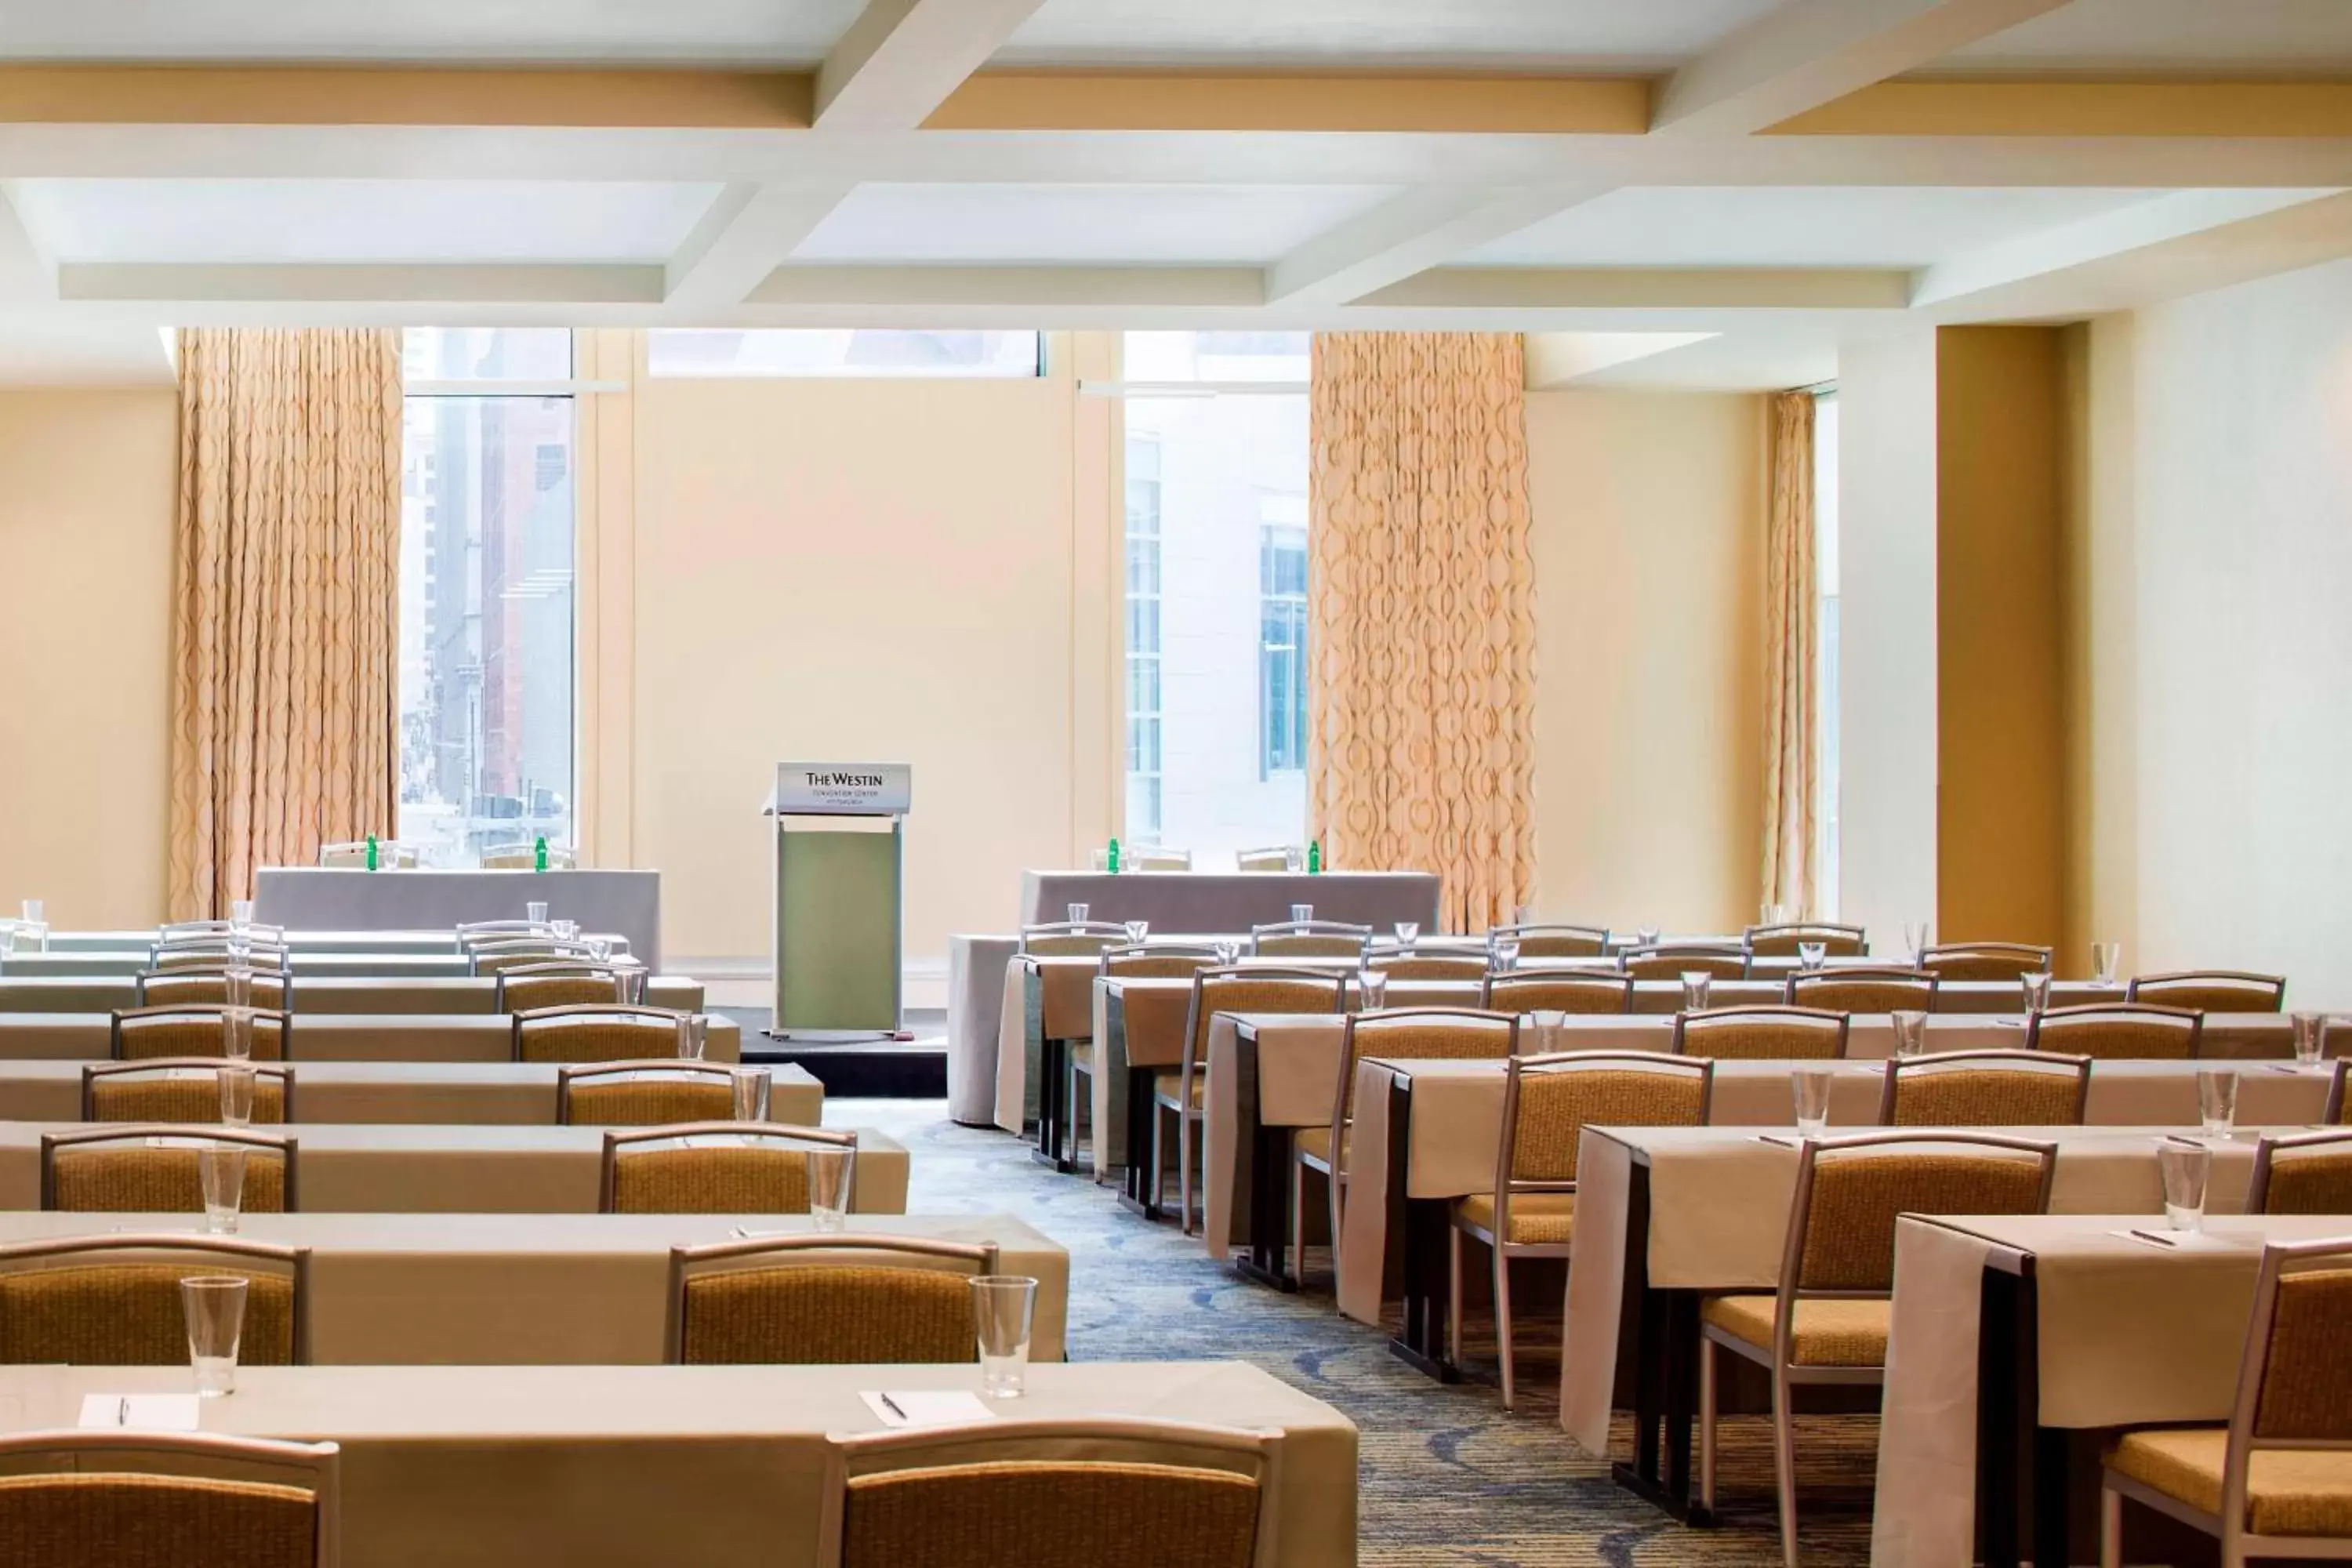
column 1407, row 932
column 220, row 1171
column 1773, row 915
column 2185, row 1168
column 1910, row 1032
column 2037, row 990
column 36, row 912
column 829, row 1174
column 599, row 949
column 236, row 986
column 1372, row 988
column 1504, row 953
column 535, row 912
column 693, row 1034
column 1002, row 1307
column 1647, row 936
column 1137, row 931
column 2107, row 961
column 1547, row 1024
column 1811, row 953
column 2310, row 1037
column 2217, row 1100
column 237, row 1086
column 751, row 1085
column 1810, row 1088
column 240, row 914
column 1301, row 913
column 1227, row 951
column 1294, row 858
column 633, row 983
column 1915, row 938
column 213, row 1305
column 1523, row 914
column 236, row 1032
column 564, row 931
column 1078, row 912
column 1696, row 984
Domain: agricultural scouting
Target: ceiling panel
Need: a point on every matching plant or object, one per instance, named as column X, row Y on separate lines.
column 2119, row 38
column 357, row 220
column 1114, row 225
column 732, row 32
column 1522, row 35
column 1782, row 226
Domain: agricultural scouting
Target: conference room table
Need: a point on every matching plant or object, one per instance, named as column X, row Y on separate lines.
column 500, row 1289
column 2024, row 1342
column 418, row 943
column 397, row 1168
column 689, row 1467
column 410, row 1092
column 473, row 994
column 327, row 898
column 303, row 966
column 1667, row 1216
column 327, row 1036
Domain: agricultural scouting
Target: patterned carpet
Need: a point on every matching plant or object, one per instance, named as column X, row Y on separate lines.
column 1448, row 1478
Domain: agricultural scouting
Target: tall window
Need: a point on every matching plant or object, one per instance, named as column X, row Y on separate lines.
column 1217, row 591
column 803, row 352
column 1825, row 557
column 485, row 595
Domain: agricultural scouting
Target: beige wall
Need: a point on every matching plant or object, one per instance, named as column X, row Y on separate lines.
column 1648, row 512
column 88, row 481
column 2219, row 487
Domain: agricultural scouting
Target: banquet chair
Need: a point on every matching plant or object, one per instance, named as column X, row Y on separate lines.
column 556, row 983
column 350, row 855
column 193, row 1029
column 2332, row 1115
column 1557, row 991
column 1310, row 938
column 1158, row 859
column 208, row 984
column 837, row 1298
column 262, row 958
column 1555, row 940
column 1986, row 1088
column 118, row 1497
column 1984, row 960
column 223, row 930
column 1068, row 939
column 1827, row 1321
column 471, row 932
column 2276, row 1482
column 1547, row 1102
column 1428, row 965
column 2120, row 1031
column 114, row 1300
column 1142, row 1494
column 524, row 856
column 497, row 958
column 177, row 1089
column 1768, row 1032
column 1783, row 941
column 657, row 1092
column 1182, row 1096
column 744, row 1167
column 596, row 1032
column 1165, row 960
column 1671, row 961
column 1860, row 990
column 1419, row 1034
column 2212, row 991
column 2302, row 1172
column 151, row 1168
column 1279, row 858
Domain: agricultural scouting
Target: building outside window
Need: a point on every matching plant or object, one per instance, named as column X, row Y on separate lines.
column 1825, row 559
column 1216, row 458
column 487, row 644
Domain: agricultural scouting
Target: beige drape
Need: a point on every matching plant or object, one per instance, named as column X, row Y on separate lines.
column 286, row 610
column 1791, row 691
column 1422, row 678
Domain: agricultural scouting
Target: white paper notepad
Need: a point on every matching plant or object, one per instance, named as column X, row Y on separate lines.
column 927, row 1407
column 147, row 1411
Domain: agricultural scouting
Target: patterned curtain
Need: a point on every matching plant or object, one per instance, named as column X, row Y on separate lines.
column 1792, row 693
column 285, row 606
column 1420, row 637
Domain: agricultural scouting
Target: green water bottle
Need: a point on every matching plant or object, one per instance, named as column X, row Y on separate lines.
column 1314, row 856
column 371, row 851
column 1114, row 853
column 539, row 854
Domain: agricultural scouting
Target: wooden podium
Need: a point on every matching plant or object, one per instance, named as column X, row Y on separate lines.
column 840, row 894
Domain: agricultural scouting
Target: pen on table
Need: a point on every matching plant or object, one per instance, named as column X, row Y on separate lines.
column 892, row 1406
column 123, row 1412
column 2160, row 1238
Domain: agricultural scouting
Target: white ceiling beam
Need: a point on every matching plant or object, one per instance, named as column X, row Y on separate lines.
column 359, row 283
column 746, row 234
column 1807, row 53
column 1650, row 289
column 1408, row 234
column 1037, row 288
column 902, row 58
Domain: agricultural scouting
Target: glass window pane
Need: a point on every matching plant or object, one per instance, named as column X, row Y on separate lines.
column 795, row 353
column 1216, row 356
column 487, row 644
column 486, row 354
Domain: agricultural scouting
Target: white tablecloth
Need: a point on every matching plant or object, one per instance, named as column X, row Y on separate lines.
column 317, row 898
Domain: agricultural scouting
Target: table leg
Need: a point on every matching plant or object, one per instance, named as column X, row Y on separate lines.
column 1269, row 1208
column 2007, row 1397
column 1417, row 1228
column 1053, row 1115
column 1137, row 1176
column 1663, row 1326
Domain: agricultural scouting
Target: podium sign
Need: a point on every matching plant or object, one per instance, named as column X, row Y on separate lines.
column 839, row 898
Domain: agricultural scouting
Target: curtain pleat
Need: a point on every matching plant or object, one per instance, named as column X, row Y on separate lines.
column 284, row 699
column 1422, row 667
column 1792, row 688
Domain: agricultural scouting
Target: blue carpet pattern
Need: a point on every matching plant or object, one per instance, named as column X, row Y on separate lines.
column 1448, row 1478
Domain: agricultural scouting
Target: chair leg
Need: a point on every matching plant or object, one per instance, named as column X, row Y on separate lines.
column 2110, row 1528
column 1295, row 1248
column 1706, row 1399
column 1184, row 1125
column 1158, row 1159
column 1453, row 1295
column 1784, row 1464
column 1503, row 1324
